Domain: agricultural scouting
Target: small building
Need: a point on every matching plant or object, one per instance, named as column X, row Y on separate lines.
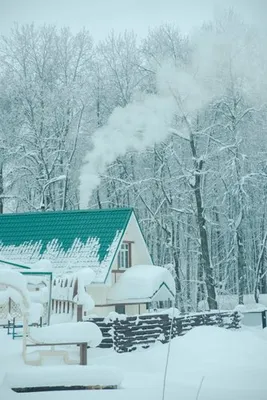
column 109, row 241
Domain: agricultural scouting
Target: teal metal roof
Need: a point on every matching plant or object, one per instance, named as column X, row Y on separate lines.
column 91, row 235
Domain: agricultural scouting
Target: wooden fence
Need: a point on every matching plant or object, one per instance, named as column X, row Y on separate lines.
column 126, row 334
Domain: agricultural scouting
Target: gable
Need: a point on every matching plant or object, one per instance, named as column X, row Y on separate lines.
column 69, row 239
column 139, row 252
column 134, row 234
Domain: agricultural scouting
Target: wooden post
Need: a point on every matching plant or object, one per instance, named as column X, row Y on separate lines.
column 13, row 328
column 83, row 354
column 49, row 301
column 79, row 313
column 263, row 318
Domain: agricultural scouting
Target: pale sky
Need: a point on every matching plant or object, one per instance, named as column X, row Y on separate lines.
column 101, row 16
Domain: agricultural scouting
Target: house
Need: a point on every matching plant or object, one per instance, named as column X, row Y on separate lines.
column 109, row 241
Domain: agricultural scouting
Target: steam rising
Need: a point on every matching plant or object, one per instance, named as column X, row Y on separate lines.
column 229, row 58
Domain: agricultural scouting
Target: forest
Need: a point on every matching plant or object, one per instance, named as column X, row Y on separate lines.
column 172, row 125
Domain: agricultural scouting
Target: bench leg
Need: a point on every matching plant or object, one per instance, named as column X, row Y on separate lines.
column 83, row 354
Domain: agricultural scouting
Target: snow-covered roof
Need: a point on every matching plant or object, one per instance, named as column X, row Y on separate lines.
column 140, row 284
column 71, row 240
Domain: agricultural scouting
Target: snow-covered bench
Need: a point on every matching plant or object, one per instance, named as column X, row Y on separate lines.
column 63, row 378
column 83, row 334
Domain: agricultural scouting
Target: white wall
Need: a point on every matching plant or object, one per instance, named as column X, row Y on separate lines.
column 102, row 311
column 140, row 254
column 135, row 309
column 98, row 293
column 163, row 294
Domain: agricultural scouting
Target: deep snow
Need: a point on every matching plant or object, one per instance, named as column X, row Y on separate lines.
column 233, row 364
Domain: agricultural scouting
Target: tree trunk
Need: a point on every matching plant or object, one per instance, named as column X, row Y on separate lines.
column 179, row 297
column 201, row 294
column 208, row 270
column 204, row 245
column 176, row 259
column 260, row 279
column 240, row 266
column 188, row 276
column 202, row 227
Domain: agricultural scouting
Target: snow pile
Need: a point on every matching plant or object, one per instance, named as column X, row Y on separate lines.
column 62, row 318
column 35, row 313
column 254, row 307
column 113, row 316
column 74, row 375
column 43, row 265
column 39, row 296
column 72, row 287
column 172, row 312
column 17, row 282
column 141, row 282
column 70, row 332
column 7, row 293
column 85, row 277
column 229, row 302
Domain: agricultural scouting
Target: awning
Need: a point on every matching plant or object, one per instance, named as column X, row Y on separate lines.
column 142, row 284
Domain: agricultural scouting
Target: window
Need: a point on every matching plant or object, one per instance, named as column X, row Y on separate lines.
column 120, row 308
column 125, row 255
column 162, row 304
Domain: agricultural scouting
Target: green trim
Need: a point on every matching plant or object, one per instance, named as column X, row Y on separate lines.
column 90, row 210
column 119, row 244
column 14, row 264
column 163, row 284
column 36, row 273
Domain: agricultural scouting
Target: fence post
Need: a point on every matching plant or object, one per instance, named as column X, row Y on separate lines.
column 179, row 326
column 79, row 313
column 83, row 354
column 263, row 318
column 116, row 343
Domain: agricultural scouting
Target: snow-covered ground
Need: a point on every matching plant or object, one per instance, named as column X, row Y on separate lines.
column 232, row 363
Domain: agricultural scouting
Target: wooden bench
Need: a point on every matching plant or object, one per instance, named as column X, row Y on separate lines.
column 55, row 378
column 82, row 345
column 82, row 334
